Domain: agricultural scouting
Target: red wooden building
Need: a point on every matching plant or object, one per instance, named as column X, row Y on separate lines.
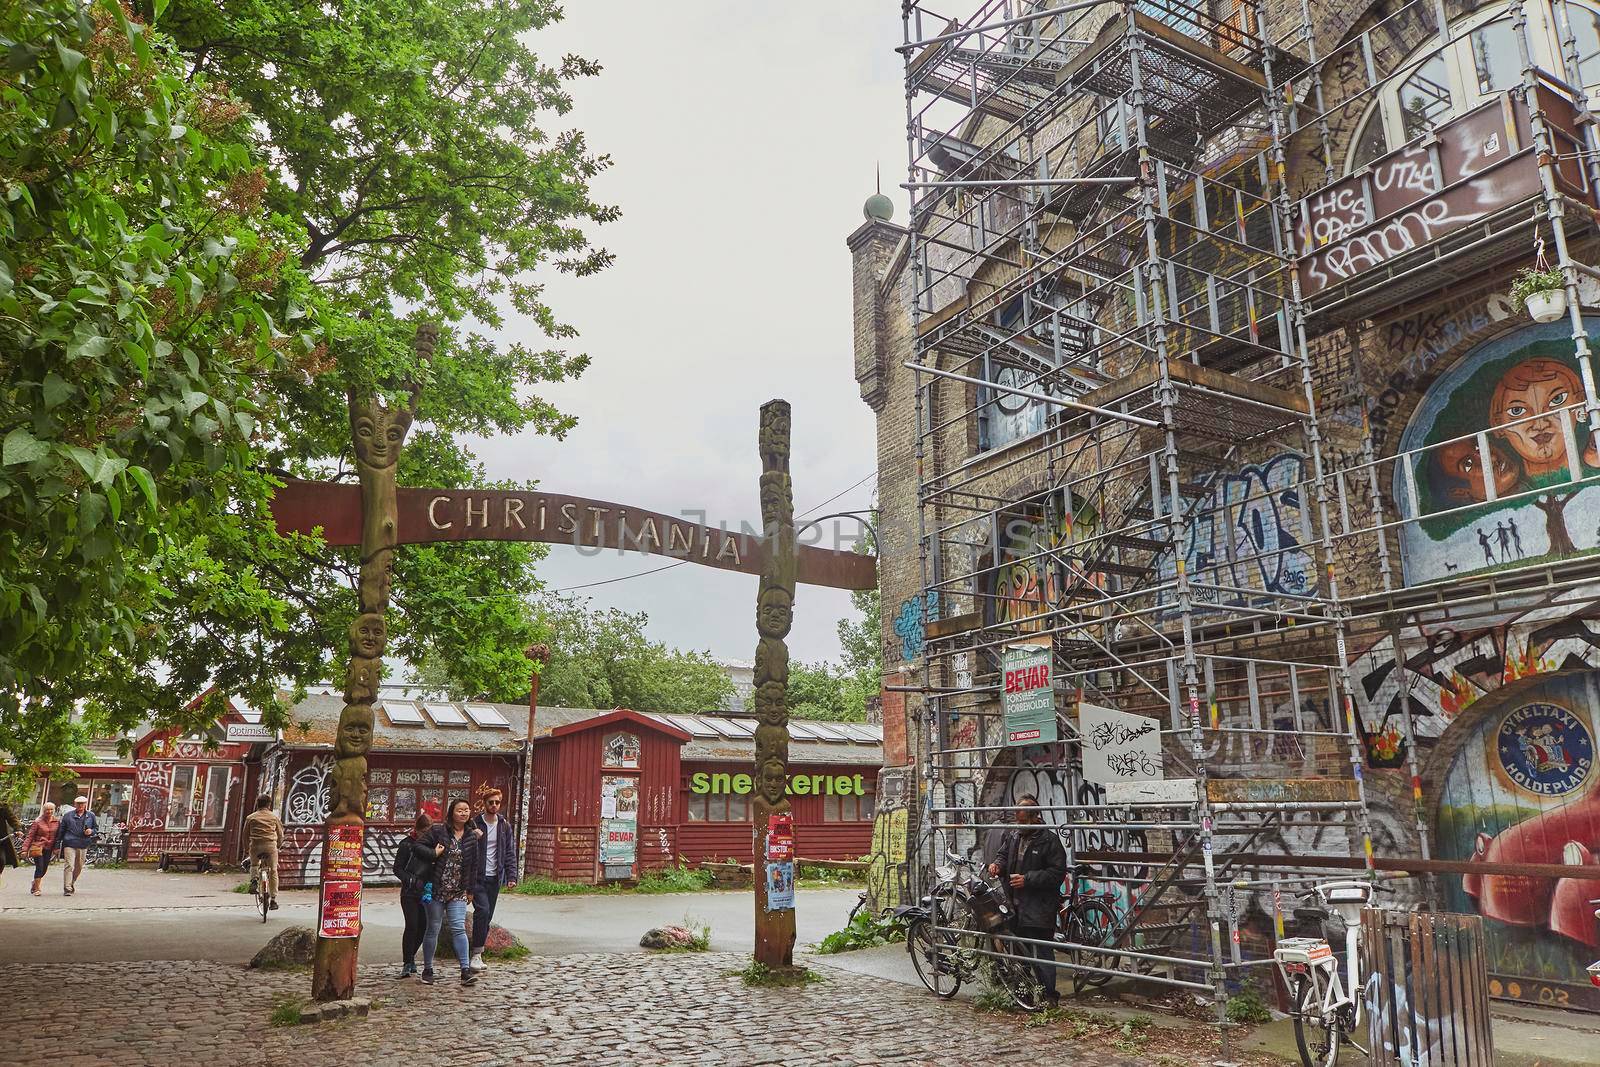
column 192, row 792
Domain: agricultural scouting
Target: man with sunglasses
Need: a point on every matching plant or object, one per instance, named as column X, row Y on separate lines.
column 497, row 867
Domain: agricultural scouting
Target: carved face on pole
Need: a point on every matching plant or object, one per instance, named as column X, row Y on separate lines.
column 379, row 431
column 774, row 613
column 355, row 732
column 772, row 661
column 367, row 636
column 769, row 703
column 777, row 497
column 361, row 680
column 774, row 438
column 772, row 781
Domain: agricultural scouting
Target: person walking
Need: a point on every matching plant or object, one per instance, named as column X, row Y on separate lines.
column 10, row 854
column 263, row 833
column 496, row 869
column 73, row 838
column 39, row 844
column 455, row 844
column 1033, row 864
column 413, row 865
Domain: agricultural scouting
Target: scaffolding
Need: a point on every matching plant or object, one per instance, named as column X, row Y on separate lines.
column 1127, row 308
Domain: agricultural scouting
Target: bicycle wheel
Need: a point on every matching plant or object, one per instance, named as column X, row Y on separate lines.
column 1317, row 1036
column 1016, row 976
column 1092, row 923
column 934, row 958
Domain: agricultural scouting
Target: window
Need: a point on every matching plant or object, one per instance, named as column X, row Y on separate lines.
column 109, row 801
column 180, row 798
column 1483, row 58
column 851, row 808
column 378, row 804
column 215, row 811
column 719, row 807
column 405, row 805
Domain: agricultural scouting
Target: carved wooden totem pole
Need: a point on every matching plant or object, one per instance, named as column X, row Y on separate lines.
column 774, row 615
column 378, row 431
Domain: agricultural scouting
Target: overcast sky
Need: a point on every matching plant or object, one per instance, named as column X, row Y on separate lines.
column 744, row 138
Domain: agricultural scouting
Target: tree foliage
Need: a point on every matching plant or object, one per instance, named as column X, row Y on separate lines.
column 148, row 305
column 371, row 164
column 601, row 659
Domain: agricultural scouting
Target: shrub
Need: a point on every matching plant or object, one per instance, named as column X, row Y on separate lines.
column 679, row 879
column 863, row 931
column 759, row 974
column 285, row 1011
column 1247, row 1006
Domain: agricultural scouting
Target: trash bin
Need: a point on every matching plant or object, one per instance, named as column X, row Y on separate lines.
column 1427, row 995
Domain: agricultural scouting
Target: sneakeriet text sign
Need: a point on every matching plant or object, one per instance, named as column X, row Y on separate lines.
column 1028, row 696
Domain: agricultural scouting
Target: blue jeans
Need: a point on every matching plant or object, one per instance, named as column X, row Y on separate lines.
column 456, row 910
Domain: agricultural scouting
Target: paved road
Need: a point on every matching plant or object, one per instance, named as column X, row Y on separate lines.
column 583, row 1009
column 140, row 914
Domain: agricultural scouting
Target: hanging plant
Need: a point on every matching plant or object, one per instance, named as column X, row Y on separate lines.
column 1542, row 292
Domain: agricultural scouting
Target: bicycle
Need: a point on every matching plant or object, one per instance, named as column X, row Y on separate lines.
column 1325, row 1006
column 258, row 886
column 1082, row 923
column 961, row 923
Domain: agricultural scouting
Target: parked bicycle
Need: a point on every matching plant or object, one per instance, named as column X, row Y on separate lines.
column 959, row 928
column 1086, row 922
column 1325, row 1006
column 106, row 848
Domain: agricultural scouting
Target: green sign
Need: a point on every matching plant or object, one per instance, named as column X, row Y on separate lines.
column 1028, row 695
column 800, row 785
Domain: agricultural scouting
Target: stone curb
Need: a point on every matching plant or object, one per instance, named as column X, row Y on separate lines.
column 356, row 1007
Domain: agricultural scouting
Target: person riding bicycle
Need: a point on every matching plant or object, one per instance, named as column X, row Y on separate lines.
column 1032, row 863
column 264, row 833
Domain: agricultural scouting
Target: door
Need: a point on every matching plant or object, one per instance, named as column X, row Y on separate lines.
column 619, row 826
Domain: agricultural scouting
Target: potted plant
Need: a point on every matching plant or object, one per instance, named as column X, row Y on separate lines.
column 1542, row 292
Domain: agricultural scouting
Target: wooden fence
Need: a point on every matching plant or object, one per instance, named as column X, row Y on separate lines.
column 1427, row 995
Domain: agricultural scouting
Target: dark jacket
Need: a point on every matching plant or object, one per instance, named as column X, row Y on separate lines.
column 505, row 850
column 73, row 826
column 8, row 844
column 471, row 856
column 413, row 865
column 1042, row 862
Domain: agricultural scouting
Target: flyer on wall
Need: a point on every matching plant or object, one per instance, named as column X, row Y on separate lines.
column 341, row 909
column 780, row 886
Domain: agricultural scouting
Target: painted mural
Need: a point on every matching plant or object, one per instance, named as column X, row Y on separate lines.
column 1027, row 581
column 1252, row 530
column 1522, row 789
column 1519, row 397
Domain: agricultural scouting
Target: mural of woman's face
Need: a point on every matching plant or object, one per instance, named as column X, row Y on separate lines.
column 1535, row 387
column 1462, row 465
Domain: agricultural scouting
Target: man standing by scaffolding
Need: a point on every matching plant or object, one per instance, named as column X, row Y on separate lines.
column 1032, row 864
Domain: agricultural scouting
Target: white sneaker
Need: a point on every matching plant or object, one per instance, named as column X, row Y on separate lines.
column 477, row 963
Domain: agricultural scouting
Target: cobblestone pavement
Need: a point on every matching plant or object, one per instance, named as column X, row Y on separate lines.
column 587, row 1009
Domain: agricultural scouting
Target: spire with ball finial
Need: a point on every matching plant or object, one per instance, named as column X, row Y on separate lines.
column 878, row 208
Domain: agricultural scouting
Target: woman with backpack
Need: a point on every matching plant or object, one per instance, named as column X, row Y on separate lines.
column 413, row 865
column 456, row 864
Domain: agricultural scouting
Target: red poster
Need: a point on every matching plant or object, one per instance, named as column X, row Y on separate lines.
column 780, row 838
column 344, row 854
column 341, row 909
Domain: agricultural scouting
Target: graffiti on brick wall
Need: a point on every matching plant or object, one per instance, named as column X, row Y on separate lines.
column 911, row 622
column 1250, row 531
column 152, row 781
column 1448, row 670
column 1524, row 788
column 1046, row 772
column 1523, row 392
column 148, row 847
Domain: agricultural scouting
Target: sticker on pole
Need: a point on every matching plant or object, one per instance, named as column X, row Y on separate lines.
column 780, row 886
column 341, row 909
column 1028, row 696
column 780, row 838
column 343, row 858
column 1118, row 747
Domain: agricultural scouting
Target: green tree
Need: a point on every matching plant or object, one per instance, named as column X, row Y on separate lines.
column 602, row 659
column 409, row 176
column 149, row 305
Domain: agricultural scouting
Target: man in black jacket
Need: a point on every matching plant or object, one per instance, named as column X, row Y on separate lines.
column 497, row 868
column 1032, row 864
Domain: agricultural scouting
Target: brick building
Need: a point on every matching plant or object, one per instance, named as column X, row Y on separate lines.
column 1214, row 340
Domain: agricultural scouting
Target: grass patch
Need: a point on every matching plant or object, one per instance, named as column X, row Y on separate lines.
column 1045, row 1017
column 242, row 887
column 514, row 951
column 760, row 975
column 810, row 876
column 549, row 887
column 286, row 1011
column 1134, row 1034
column 991, row 998
column 284, row 966
column 1247, row 1006
column 679, row 879
column 863, row 931
column 699, row 937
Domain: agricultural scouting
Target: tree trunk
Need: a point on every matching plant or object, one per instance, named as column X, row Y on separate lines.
column 775, row 930
column 1555, row 523
column 378, row 431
